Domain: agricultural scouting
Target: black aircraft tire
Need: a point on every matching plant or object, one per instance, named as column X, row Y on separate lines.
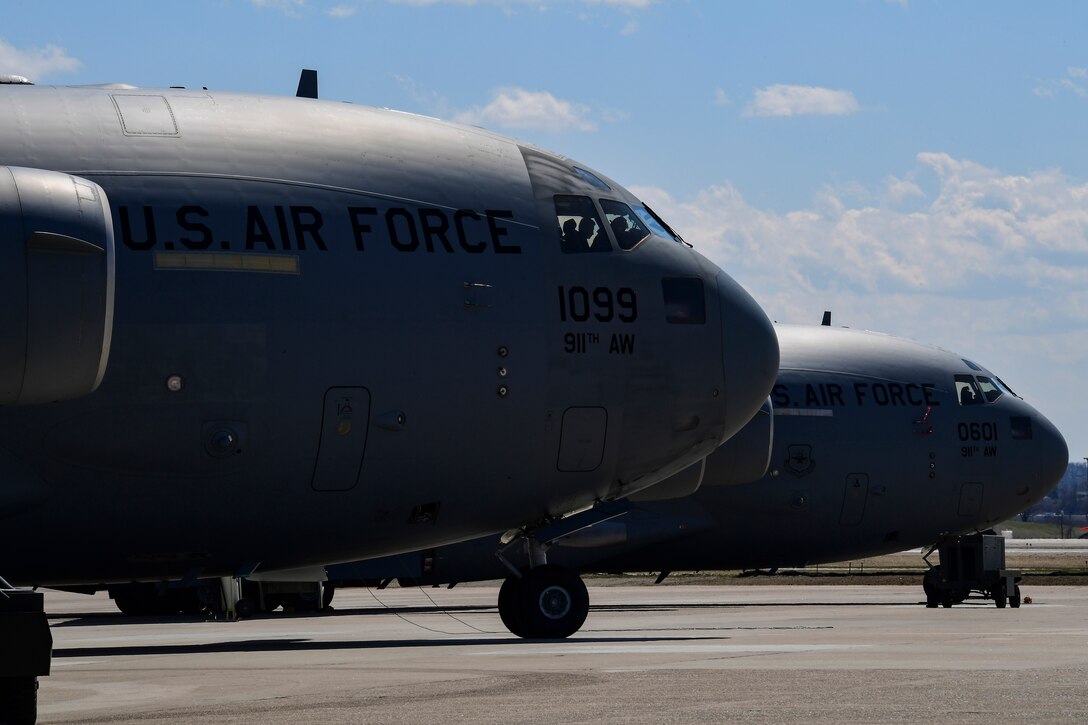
column 510, row 608
column 18, row 700
column 999, row 595
column 933, row 595
column 555, row 603
column 1014, row 600
column 245, row 608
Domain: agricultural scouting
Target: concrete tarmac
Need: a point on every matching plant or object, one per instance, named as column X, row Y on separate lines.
column 647, row 654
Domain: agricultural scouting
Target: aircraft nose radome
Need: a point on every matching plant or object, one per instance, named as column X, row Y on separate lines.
column 1053, row 452
column 749, row 353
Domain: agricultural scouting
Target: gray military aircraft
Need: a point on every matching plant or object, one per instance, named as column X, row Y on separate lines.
column 880, row 444
column 246, row 333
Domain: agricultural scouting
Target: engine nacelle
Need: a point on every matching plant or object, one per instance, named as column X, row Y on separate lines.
column 56, row 285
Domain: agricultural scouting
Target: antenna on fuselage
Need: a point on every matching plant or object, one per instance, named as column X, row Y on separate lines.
column 307, row 84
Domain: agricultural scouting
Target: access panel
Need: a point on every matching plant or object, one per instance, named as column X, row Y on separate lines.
column 344, row 422
column 581, row 446
column 853, row 499
column 970, row 499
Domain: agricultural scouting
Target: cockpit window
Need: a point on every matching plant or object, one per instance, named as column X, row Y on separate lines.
column 649, row 220
column 1005, row 386
column 967, row 391
column 656, row 223
column 971, row 365
column 627, row 229
column 580, row 228
column 592, row 179
column 990, row 391
column 977, row 390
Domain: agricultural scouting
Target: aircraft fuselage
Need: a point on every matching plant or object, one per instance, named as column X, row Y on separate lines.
column 340, row 332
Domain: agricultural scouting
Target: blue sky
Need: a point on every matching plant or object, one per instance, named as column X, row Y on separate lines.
column 919, row 168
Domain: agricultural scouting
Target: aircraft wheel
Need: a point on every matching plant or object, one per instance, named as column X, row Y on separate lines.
column 554, row 603
column 933, row 594
column 18, row 700
column 1014, row 600
column 510, row 605
column 245, row 608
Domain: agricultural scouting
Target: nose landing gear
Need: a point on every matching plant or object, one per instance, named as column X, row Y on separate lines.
column 546, row 602
column 541, row 601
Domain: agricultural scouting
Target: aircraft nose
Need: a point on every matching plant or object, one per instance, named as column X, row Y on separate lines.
column 1052, row 456
column 749, row 353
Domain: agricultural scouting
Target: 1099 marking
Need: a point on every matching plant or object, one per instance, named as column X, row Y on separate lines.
column 578, row 304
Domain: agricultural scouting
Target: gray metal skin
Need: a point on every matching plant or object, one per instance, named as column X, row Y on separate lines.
column 853, row 473
column 346, row 388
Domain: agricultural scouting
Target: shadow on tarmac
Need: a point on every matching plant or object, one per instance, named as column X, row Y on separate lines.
column 300, row 645
column 86, row 619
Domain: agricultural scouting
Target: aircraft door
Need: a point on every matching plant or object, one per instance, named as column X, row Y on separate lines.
column 344, row 421
column 855, row 494
column 581, row 446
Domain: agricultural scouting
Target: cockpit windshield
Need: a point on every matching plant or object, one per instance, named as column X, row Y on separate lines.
column 580, row 228
column 1005, row 386
column 628, row 230
column 990, row 391
column 656, row 224
column 967, row 391
column 978, row 389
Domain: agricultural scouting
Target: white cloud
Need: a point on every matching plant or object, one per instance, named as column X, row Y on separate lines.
column 519, row 108
column 899, row 190
column 989, row 264
column 787, row 100
column 628, row 4
column 630, row 28
column 289, row 7
column 979, row 228
column 1074, row 82
column 635, row 4
column 35, row 63
column 720, row 97
column 341, row 11
column 432, row 102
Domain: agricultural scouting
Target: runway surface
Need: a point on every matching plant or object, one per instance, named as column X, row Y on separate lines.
column 647, row 654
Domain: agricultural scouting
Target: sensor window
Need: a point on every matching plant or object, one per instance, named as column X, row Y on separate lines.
column 685, row 303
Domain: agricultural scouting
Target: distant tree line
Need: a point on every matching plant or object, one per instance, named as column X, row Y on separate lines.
column 1070, row 497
